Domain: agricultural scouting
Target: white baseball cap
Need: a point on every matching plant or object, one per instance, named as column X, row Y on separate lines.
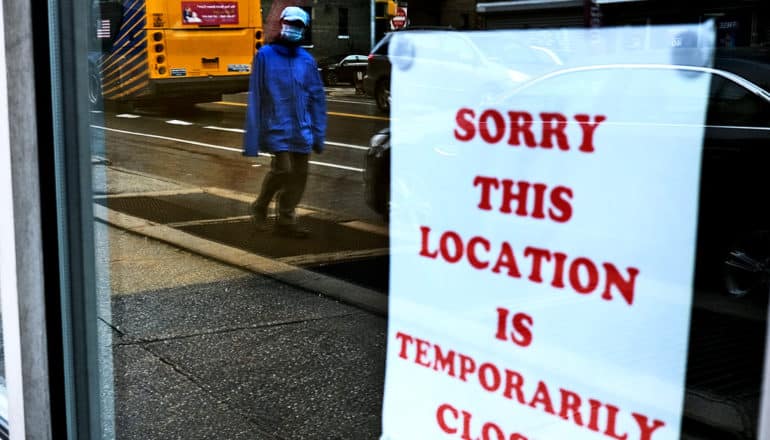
column 294, row 13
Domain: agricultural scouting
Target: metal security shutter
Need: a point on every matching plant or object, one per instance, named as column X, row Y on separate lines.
column 536, row 19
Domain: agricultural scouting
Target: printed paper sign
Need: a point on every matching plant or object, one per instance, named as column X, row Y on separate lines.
column 210, row 13
column 543, row 229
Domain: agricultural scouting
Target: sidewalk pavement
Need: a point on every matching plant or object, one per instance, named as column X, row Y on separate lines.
column 196, row 349
column 348, row 92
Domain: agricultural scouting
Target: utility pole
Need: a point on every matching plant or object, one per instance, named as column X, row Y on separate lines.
column 371, row 27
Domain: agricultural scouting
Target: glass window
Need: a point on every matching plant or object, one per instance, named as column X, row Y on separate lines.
column 249, row 215
column 342, row 26
column 733, row 104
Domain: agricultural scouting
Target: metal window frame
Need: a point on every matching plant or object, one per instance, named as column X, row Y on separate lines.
column 74, row 247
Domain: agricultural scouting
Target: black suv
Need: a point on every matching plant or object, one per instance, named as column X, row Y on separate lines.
column 377, row 78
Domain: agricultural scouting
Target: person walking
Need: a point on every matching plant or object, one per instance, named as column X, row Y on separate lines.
column 285, row 116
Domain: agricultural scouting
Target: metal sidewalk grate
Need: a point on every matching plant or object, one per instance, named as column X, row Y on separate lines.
column 327, row 237
column 177, row 208
column 724, row 371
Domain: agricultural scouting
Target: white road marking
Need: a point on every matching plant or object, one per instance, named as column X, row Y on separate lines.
column 166, row 138
column 233, row 130
column 218, row 147
column 332, row 165
column 336, row 144
column 178, row 122
column 127, row 116
column 345, row 101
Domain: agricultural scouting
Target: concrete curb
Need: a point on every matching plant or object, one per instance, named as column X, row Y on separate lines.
column 361, row 297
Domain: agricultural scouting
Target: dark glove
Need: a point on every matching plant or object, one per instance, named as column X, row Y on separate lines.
column 318, row 149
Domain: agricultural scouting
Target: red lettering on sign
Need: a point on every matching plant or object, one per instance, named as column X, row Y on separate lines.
column 584, row 275
column 554, row 125
column 561, row 211
column 489, row 377
column 441, row 418
column 494, row 135
column 521, row 322
column 538, row 255
column 473, row 256
column 422, row 352
column 467, row 366
column 542, row 397
column 521, row 124
column 465, row 123
column 591, row 272
column 513, row 383
column 451, row 247
column 558, row 270
column 405, row 340
column 612, row 420
column 644, row 427
column 444, row 362
column 510, row 196
column 447, row 417
column 587, row 146
column 507, row 259
column 572, row 407
column 514, row 198
column 491, row 126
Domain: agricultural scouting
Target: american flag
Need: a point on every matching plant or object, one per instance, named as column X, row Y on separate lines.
column 103, row 30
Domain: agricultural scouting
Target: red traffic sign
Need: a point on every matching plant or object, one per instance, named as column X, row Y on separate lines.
column 399, row 21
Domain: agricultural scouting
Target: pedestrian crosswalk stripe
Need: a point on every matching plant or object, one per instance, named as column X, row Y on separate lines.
column 234, row 130
column 218, row 147
column 336, row 144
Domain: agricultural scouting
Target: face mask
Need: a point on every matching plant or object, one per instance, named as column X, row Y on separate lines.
column 291, row 33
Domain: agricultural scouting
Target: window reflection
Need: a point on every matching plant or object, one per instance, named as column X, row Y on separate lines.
column 211, row 318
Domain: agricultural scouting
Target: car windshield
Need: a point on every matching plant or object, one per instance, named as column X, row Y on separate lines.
column 514, row 54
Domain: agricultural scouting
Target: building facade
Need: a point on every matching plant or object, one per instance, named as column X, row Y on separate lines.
column 345, row 26
column 739, row 24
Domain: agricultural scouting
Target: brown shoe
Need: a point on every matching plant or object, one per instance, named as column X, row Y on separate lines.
column 258, row 217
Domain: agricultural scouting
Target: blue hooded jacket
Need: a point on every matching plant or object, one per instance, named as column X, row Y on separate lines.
column 287, row 103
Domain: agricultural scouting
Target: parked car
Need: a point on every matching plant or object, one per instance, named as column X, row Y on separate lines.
column 377, row 76
column 343, row 68
column 377, row 173
column 482, row 56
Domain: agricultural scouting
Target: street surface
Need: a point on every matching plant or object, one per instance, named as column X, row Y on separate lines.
column 246, row 343
column 202, row 147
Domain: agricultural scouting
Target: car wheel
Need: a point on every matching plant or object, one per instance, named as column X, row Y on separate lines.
column 94, row 87
column 382, row 95
column 331, row 78
column 747, row 264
